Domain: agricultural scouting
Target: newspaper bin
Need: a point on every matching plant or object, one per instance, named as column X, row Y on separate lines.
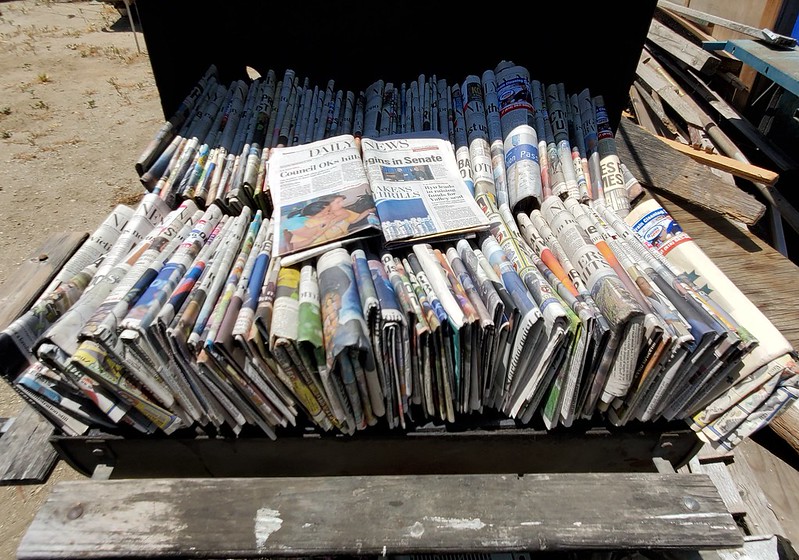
column 354, row 44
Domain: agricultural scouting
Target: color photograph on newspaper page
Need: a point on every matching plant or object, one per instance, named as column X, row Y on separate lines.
column 320, row 194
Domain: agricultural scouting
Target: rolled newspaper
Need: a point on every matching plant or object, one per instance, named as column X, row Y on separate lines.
column 477, row 136
column 461, row 141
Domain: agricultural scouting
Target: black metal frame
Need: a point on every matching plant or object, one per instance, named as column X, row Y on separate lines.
column 492, row 448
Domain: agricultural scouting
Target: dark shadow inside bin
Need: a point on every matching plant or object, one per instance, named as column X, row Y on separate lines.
column 584, row 44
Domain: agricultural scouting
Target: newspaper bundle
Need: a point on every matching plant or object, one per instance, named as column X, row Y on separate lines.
column 409, row 253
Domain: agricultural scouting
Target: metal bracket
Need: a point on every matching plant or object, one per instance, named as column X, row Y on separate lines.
column 106, row 460
column 102, row 472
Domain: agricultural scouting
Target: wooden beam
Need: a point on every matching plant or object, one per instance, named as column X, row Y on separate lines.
column 682, row 49
column 659, row 166
column 760, row 517
column 720, row 475
column 26, row 455
column 641, row 111
column 732, row 117
column 704, row 17
column 651, row 73
column 786, row 425
column 377, row 515
column 733, row 166
column 688, row 28
column 778, row 480
column 654, row 105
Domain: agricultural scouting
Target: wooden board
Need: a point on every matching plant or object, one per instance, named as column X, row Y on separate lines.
column 786, row 425
column 664, row 169
column 642, row 115
column 755, row 13
column 720, row 475
column 757, row 548
column 779, row 484
column 26, row 455
column 732, row 117
column 650, row 75
column 19, row 292
column 779, row 65
column 760, row 519
column 690, row 30
column 732, row 20
column 682, row 49
column 382, row 515
column 724, row 163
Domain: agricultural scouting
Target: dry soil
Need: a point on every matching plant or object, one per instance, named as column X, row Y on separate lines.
column 77, row 105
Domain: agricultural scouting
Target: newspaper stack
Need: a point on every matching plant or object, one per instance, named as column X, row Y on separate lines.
column 563, row 295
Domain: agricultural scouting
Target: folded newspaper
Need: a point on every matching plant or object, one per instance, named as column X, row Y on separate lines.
column 418, row 190
column 321, row 196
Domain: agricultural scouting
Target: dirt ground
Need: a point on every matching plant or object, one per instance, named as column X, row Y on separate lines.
column 78, row 103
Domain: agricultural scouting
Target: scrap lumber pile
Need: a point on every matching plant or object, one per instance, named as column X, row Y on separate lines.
column 693, row 101
column 690, row 99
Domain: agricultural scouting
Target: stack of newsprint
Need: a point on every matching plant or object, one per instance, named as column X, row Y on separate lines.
column 409, row 253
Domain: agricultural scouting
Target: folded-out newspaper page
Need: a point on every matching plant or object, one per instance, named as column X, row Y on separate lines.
column 418, row 190
column 320, row 193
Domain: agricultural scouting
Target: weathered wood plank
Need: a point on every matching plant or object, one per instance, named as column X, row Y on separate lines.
column 682, row 49
column 743, row 257
column 718, row 161
column 652, row 75
column 381, row 515
column 707, row 454
column 779, row 482
column 760, row 517
column 730, row 115
column 691, row 31
column 19, row 292
column 667, row 127
column 662, row 168
column 786, row 425
column 706, row 17
column 761, row 547
column 26, row 455
column 641, row 112
column 720, row 475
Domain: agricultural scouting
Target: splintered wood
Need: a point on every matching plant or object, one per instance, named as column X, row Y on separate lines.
column 664, row 169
